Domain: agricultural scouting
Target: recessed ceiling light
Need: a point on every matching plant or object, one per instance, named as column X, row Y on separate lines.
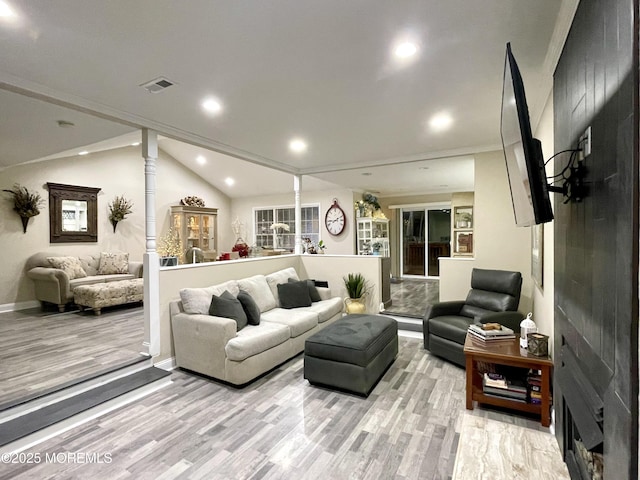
column 5, row 10
column 66, row 124
column 424, row 168
column 211, row 105
column 229, row 181
column 201, row 160
column 297, row 145
column 366, row 174
column 405, row 50
column 440, row 121
column 444, row 186
column 84, row 152
column 135, row 144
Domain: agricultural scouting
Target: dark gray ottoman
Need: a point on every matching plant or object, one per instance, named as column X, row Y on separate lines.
column 352, row 354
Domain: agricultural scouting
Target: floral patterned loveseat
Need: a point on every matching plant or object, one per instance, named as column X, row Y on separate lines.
column 56, row 275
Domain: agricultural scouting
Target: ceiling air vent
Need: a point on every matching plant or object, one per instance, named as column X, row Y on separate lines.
column 157, row 85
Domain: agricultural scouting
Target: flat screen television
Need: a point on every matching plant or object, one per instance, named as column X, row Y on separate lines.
column 522, row 152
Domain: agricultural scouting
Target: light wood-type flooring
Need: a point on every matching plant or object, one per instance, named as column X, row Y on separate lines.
column 40, row 350
column 410, row 297
column 278, row 427
column 43, row 349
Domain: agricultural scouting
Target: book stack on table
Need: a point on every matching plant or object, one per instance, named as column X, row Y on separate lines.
column 491, row 332
column 534, row 384
column 497, row 385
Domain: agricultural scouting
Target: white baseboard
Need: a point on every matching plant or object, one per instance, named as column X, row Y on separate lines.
column 12, row 307
column 167, row 364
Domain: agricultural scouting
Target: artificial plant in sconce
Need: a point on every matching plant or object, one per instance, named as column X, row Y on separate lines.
column 25, row 203
column 119, row 208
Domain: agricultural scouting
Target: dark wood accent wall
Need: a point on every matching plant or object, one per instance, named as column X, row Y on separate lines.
column 596, row 241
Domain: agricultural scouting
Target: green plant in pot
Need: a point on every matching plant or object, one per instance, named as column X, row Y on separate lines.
column 357, row 290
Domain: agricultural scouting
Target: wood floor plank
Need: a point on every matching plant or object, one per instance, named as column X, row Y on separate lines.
column 43, row 349
column 279, row 427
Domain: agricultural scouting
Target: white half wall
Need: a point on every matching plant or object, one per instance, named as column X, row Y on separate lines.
column 320, row 267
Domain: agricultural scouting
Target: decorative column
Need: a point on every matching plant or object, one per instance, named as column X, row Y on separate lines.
column 151, row 263
column 297, row 186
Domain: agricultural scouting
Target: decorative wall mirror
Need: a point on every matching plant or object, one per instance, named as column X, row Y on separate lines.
column 73, row 213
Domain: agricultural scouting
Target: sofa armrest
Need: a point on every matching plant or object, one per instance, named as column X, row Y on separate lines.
column 199, row 342
column 443, row 308
column 51, row 284
column 48, row 274
column 324, row 292
column 508, row 319
column 437, row 310
column 135, row 268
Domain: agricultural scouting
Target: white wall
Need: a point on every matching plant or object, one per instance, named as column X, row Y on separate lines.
column 543, row 303
column 343, row 244
column 498, row 243
column 116, row 172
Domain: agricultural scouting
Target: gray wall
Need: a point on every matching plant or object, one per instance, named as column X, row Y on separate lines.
column 596, row 241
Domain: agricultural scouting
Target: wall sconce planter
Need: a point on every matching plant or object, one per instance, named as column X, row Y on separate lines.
column 25, row 203
column 119, row 208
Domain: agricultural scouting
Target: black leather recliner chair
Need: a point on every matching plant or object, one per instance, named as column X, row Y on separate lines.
column 494, row 297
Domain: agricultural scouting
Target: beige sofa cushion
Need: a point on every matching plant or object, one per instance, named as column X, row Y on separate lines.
column 281, row 276
column 70, row 265
column 255, row 339
column 113, row 263
column 259, row 290
column 198, row 300
column 325, row 309
column 297, row 320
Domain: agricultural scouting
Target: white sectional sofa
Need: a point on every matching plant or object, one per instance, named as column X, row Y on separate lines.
column 213, row 345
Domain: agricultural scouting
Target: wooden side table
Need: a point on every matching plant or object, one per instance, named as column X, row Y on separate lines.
column 510, row 354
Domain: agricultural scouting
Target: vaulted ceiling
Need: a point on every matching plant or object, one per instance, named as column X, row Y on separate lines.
column 323, row 72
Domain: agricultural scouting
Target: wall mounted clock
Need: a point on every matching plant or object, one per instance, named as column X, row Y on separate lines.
column 335, row 219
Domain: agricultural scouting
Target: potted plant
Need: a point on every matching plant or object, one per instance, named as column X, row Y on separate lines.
column 25, row 203
column 357, row 290
column 119, row 208
column 464, row 220
column 321, row 247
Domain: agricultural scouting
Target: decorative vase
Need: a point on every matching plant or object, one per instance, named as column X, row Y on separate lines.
column 25, row 221
column 115, row 224
column 354, row 305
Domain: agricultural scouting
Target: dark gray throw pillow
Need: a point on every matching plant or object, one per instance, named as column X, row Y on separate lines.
column 294, row 294
column 250, row 307
column 228, row 306
column 313, row 291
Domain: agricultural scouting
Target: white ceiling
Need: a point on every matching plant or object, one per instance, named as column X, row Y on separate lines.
column 281, row 68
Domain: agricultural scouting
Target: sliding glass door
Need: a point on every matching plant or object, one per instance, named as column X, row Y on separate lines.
column 425, row 237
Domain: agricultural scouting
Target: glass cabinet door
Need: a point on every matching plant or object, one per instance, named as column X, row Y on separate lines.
column 207, row 233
